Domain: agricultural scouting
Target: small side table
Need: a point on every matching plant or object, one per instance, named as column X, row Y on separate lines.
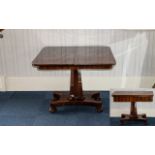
column 133, row 97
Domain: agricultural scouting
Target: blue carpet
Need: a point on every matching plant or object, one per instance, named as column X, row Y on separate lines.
column 115, row 121
column 31, row 108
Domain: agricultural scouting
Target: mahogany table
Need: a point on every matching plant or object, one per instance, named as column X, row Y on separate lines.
column 75, row 58
column 133, row 97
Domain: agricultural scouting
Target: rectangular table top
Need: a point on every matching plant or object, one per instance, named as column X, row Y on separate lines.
column 78, row 56
column 133, row 96
column 132, row 93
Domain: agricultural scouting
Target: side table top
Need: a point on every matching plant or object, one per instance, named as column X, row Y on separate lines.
column 132, row 93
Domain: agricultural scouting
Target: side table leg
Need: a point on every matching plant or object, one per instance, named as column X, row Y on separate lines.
column 52, row 108
column 133, row 111
column 96, row 96
column 99, row 108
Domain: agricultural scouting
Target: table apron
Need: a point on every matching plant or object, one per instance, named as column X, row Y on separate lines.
column 73, row 67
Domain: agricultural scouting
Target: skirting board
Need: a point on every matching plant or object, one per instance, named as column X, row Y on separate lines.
column 63, row 83
column 2, row 84
column 35, row 84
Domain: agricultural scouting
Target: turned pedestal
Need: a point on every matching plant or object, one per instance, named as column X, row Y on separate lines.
column 76, row 95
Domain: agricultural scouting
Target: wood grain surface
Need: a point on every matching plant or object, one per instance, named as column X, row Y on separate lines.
column 133, row 93
column 75, row 56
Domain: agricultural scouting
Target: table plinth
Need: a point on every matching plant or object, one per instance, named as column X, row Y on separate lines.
column 133, row 116
column 76, row 95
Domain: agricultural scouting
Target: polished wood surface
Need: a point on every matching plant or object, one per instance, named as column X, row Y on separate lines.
column 133, row 97
column 133, row 93
column 79, row 57
column 75, row 58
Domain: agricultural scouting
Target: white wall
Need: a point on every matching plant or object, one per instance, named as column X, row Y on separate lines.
column 133, row 50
